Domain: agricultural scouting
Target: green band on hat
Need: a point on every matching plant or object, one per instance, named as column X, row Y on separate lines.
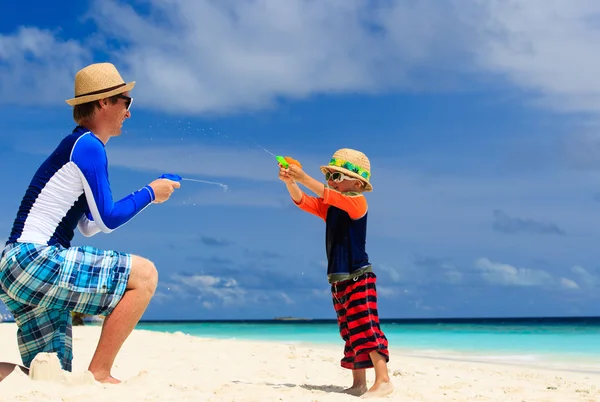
column 350, row 166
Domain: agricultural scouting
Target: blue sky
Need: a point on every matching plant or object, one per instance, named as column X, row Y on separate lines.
column 480, row 120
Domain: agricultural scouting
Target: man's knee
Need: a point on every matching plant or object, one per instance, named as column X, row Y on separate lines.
column 144, row 275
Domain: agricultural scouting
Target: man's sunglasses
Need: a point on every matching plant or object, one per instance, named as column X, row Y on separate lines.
column 337, row 177
column 128, row 100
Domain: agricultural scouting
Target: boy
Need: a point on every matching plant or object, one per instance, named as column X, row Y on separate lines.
column 344, row 208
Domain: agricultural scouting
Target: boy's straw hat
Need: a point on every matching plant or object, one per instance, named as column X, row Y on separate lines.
column 98, row 81
column 352, row 163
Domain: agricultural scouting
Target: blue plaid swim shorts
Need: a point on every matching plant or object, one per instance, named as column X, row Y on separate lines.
column 41, row 285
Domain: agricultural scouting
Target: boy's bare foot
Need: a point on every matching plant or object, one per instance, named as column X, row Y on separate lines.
column 356, row 390
column 379, row 390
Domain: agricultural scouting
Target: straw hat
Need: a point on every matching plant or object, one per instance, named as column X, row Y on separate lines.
column 98, row 81
column 352, row 163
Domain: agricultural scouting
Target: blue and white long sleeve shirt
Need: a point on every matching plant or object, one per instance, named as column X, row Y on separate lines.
column 71, row 189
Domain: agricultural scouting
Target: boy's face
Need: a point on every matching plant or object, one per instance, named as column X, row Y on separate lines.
column 347, row 184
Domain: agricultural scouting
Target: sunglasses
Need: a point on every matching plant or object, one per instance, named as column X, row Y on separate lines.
column 337, row 177
column 128, row 100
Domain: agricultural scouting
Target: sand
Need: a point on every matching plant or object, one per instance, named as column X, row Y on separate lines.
column 158, row 366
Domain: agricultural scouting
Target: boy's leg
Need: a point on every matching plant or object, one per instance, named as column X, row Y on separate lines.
column 367, row 338
column 359, row 376
column 123, row 319
column 380, row 366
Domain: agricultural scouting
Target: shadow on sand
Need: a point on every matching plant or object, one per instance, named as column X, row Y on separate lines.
column 309, row 387
column 324, row 388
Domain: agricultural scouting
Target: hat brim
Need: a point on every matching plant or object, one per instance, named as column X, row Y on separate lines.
column 368, row 186
column 90, row 98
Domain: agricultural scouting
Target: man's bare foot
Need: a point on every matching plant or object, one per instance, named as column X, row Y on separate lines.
column 107, row 379
column 7, row 368
column 379, row 390
column 356, row 390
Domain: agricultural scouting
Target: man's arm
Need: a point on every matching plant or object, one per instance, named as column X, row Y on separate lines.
column 90, row 157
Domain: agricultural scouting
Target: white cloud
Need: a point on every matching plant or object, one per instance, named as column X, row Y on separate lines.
column 208, row 288
column 204, row 56
column 409, row 270
column 322, row 293
column 36, row 67
column 162, row 297
column 393, row 274
column 505, row 274
column 200, row 56
column 286, row 298
column 212, row 291
column 585, row 277
column 568, row 283
column 548, row 47
column 388, row 291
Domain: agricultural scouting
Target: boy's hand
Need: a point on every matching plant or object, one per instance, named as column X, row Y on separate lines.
column 284, row 175
column 296, row 173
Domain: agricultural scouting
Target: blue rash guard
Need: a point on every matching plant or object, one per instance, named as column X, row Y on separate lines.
column 345, row 215
column 71, row 189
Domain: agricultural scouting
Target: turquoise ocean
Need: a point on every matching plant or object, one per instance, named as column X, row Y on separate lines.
column 572, row 343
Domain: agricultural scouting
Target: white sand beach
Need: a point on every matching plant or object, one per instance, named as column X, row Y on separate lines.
column 158, row 366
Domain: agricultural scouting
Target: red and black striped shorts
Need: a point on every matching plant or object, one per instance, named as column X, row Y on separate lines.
column 355, row 302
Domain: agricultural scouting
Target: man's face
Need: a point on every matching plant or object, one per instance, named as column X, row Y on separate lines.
column 118, row 112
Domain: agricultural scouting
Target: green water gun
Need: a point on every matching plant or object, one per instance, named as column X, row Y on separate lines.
column 287, row 161
column 283, row 162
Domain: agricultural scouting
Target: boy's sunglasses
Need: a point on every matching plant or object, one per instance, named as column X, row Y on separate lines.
column 337, row 177
column 128, row 100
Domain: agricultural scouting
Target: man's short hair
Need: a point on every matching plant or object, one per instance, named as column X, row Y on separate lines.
column 86, row 111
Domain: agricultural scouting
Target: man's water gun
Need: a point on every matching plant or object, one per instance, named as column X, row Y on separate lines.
column 171, row 176
column 287, row 161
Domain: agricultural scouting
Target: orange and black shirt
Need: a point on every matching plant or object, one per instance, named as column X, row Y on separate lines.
column 345, row 215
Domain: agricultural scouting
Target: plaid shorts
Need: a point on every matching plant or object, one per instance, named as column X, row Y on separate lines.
column 41, row 285
column 355, row 303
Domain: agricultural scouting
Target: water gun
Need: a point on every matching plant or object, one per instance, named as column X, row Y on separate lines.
column 287, row 161
column 171, row 176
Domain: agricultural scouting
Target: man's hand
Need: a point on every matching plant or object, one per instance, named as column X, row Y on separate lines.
column 163, row 188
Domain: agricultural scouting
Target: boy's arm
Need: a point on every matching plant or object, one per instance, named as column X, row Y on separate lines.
column 313, row 205
column 355, row 206
column 295, row 192
column 313, row 185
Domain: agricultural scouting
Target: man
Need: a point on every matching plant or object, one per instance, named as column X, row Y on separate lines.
column 42, row 277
